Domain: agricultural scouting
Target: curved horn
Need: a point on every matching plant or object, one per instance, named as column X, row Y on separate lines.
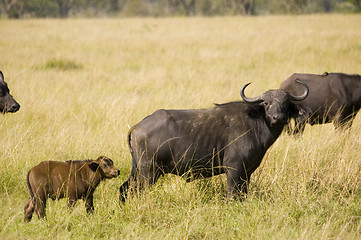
column 249, row 100
column 304, row 95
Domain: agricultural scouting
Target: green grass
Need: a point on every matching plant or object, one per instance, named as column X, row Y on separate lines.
column 82, row 83
column 61, row 64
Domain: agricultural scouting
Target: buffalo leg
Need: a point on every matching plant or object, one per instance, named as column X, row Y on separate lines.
column 237, row 178
column 89, row 206
column 40, row 206
column 125, row 186
column 148, row 174
column 124, row 190
column 72, row 200
column 145, row 176
column 29, row 210
column 237, row 184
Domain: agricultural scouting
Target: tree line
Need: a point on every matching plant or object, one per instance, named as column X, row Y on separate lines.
column 164, row 8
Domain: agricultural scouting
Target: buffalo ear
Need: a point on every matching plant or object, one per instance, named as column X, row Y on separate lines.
column 93, row 166
column 1, row 76
column 298, row 111
column 255, row 110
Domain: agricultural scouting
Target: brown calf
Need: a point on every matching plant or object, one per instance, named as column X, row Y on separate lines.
column 74, row 179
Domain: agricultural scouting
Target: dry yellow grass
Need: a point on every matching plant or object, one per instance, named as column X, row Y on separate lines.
column 82, row 83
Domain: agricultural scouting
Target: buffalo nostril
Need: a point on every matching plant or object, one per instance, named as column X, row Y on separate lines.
column 279, row 118
column 118, row 172
column 14, row 108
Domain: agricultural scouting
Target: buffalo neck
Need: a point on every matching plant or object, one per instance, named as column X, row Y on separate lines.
column 91, row 177
column 267, row 133
column 355, row 90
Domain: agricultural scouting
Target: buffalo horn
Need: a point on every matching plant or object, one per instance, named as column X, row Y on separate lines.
column 304, row 95
column 249, row 100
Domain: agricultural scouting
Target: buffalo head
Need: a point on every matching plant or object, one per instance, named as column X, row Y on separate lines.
column 7, row 102
column 277, row 104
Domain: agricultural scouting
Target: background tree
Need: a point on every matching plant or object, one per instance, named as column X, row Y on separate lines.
column 357, row 4
column 64, row 7
column 156, row 8
column 246, row 7
column 41, row 8
column 189, row 7
column 14, row 8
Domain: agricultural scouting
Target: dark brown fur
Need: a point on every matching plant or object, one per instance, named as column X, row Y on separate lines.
column 72, row 179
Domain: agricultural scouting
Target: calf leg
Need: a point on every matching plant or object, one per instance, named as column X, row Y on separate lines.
column 29, row 210
column 72, row 200
column 89, row 206
column 40, row 206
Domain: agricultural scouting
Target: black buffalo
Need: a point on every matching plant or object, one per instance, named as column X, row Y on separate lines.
column 7, row 102
column 230, row 138
column 333, row 97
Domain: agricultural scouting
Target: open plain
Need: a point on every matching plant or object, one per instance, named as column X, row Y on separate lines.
column 82, row 83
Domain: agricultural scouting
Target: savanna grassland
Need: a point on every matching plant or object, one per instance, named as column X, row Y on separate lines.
column 82, row 83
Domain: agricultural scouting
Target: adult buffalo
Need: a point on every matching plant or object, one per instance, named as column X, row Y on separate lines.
column 7, row 102
column 230, row 138
column 333, row 97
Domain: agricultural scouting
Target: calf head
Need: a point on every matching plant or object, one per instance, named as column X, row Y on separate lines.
column 7, row 102
column 277, row 104
column 105, row 166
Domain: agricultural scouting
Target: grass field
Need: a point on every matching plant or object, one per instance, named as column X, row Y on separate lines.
column 82, row 83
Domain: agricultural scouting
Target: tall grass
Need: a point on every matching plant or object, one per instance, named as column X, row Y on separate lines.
column 82, row 83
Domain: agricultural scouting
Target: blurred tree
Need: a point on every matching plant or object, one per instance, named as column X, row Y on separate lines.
column 186, row 7
column 14, row 8
column 294, row 6
column 92, row 8
column 189, row 7
column 64, row 7
column 42, row 8
column 327, row 5
column 172, row 6
column 357, row 4
column 117, row 5
column 246, row 7
column 134, row 8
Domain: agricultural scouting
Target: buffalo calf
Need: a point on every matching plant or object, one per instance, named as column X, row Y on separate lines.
column 7, row 102
column 74, row 179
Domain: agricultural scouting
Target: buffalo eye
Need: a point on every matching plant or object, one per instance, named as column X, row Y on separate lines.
column 266, row 104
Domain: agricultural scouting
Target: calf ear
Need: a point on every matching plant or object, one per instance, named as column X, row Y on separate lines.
column 1, row 76
column 93, row 166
